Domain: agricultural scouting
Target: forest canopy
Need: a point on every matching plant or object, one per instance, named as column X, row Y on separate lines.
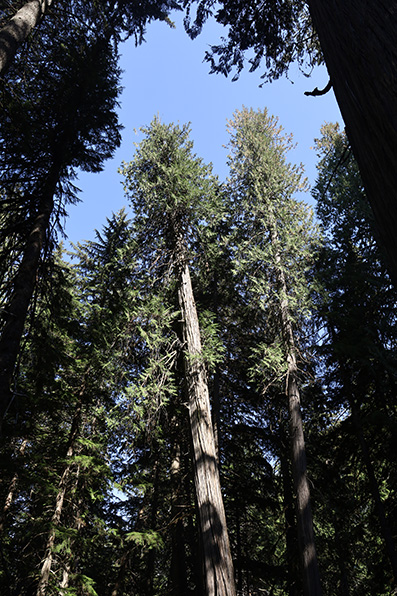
column 201, row 400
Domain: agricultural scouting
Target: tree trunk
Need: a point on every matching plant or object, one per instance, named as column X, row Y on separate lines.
column 358, row 40
column 311, row 575
column 24, row 286
column 178, row 579
column 307, row 549
column 290, row 521
column 373, row 483
column 56, row 517
column 11, row 489
column 218, row 565
column 16, row 31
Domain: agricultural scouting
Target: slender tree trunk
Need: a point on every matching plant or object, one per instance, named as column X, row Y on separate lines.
column 311, row 575
column 239, row 569
column 11, row 490
column 16, row 31
column 24, row 286
column 307, row 549
column 178, row 559
column 290, row 522
column 56, row 517
column 358, row 40
column 218, row 565
column 373, row 483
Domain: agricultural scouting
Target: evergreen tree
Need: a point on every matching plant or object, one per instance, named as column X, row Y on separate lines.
column 357, row 45
column 360, row 374
column 70, row 123
column 273, row 239
column 170, row 189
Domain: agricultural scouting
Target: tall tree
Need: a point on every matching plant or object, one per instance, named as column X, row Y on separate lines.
column 274, row 242
column 357, row 45
column 170, row 188
column 18, row 28
column 70, row 123
column 353, row 272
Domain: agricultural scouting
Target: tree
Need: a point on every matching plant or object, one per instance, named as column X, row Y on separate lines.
column 18, row 28
column 169, row 188
column 361, row 371
column 358, row 48
column 274, row 240
column 70, row 123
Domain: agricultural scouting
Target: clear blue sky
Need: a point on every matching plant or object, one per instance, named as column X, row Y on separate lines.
column 167, row 76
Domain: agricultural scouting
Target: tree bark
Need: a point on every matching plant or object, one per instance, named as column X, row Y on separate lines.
column 56, row 517
column 311, row 575
column 24, row 286
column 358, row 40
column 16, row 31
column 218, row 565
column 290, row 522
column 307, row 549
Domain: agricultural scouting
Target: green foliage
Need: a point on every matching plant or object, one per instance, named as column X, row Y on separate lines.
column 148, row 540
column 276, row 32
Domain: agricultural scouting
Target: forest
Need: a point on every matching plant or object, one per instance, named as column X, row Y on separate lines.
column 201, row 400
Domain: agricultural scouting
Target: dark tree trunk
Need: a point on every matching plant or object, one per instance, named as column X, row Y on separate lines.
column 358, row 40
column 291, row 538
column 218, row 565
column 178, row 579
column 24, row 285
column 373, row 483
column 311, row 575
column 307, row 549
column 16, row 31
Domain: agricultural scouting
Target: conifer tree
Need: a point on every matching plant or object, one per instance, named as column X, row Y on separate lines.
column 70, row 123
column 273, row 238
column 170, row 189
column 359, row 316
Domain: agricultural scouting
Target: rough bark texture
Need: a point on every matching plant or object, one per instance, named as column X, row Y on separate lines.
column 311, row 575
column 218, row 565
column 358, row 40
column 291, row 538
column 24, row 285
column 18, row 28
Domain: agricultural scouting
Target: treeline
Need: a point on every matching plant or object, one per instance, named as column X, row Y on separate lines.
column 202, row 400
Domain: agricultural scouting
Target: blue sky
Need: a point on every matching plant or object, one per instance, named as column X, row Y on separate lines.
column 166, row 76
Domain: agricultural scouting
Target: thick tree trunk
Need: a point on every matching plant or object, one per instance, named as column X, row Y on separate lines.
column 218, row 565
column 24, row 286
column 18, row 28
column 358, row 40
column 290, row 522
